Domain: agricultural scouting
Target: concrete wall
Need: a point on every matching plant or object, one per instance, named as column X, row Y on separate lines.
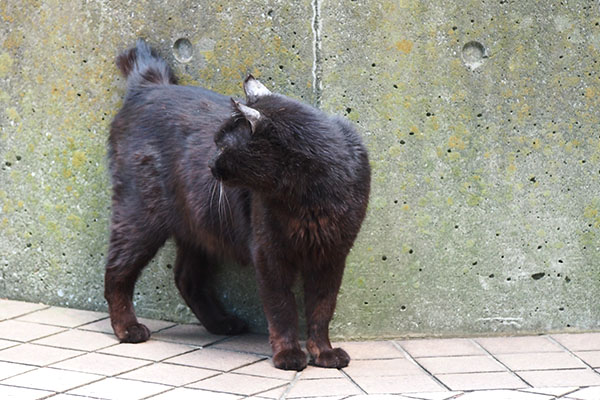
column 485, row 209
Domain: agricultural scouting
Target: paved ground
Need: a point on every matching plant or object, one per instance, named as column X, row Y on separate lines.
column 66, row 354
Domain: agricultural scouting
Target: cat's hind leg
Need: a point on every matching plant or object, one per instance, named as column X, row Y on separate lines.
column 193, row 273
column 129, row 252
column 321, row 286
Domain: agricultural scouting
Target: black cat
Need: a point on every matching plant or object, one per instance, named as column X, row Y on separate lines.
column 272, row 182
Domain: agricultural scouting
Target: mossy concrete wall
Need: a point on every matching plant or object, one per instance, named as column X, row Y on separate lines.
column 481, row 119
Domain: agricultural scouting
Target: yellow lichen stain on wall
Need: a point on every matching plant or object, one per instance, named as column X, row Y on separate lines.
column 590, row 92
column 13, row 114
column 404, row 46
column 591, row 213
column 6, row 63
column 78, row 158
column 455, row 142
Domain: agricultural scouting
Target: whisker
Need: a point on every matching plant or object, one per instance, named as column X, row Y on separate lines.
column 227, row 204
column 212, row 194
column 221, row 215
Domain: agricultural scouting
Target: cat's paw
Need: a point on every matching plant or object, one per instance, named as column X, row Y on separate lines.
column 229, row 325
column 135, row 333
column 334, row 358
column 290, row 359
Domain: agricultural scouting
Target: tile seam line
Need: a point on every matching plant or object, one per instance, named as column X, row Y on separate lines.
column 56, row 392
column 317, row 67
column 410, row 358
column 291, row 385
column 364, row 392
column 510, row 370
column 569, row 351
column 28, row 312
column 156, row 394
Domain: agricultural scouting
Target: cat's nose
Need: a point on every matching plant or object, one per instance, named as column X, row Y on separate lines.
column 212, row 166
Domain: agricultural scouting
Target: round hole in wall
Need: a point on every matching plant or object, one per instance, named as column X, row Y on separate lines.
column 182, row 50
column 474, row 54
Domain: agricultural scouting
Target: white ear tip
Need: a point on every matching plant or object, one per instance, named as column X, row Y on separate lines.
column 254, row 88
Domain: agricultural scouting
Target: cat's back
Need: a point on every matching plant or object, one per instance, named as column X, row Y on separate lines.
column 164, row 119
column 173, row 106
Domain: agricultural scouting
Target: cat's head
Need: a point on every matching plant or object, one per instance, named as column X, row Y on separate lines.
column 276, row 144
column 246, row 153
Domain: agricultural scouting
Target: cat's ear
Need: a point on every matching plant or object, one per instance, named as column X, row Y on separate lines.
column 254, row 89
column 251, row 115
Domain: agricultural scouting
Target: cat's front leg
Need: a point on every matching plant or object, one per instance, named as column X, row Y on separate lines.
column 321, row 286
column 275, row 282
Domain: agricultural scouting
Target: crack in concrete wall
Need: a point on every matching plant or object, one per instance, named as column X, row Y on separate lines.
column 317, row 69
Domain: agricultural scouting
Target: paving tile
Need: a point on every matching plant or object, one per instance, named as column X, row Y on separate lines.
column 591, row 393
column 34, row 354
column 460, row 364
column 221, row 360
column 103, row 364
column 194, row 394
column 191, row 334
column 312, row 372
column 52, row 379
column 104, row 325
column 440, row 347
column 370, row 350
column 567, row 377
column 12, row 308
column 8, row 369
column 238, row 384
column 504, row 395
column 265, row 368
column 391, row 367
column 63, row 396
column 398, row 384
column 154, row 350
column 590, row 357
column 79, row 340
column 25, row 331
column 120, row 389
column 169, row 374
column 322, row 387
column 539, row 361
column 479, row 381
column 248, row 343
column 17, row 393
column 579, row 341
column 60, row 316
column 519, row 344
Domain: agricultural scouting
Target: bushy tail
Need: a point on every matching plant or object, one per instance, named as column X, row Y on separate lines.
column 141, row 65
